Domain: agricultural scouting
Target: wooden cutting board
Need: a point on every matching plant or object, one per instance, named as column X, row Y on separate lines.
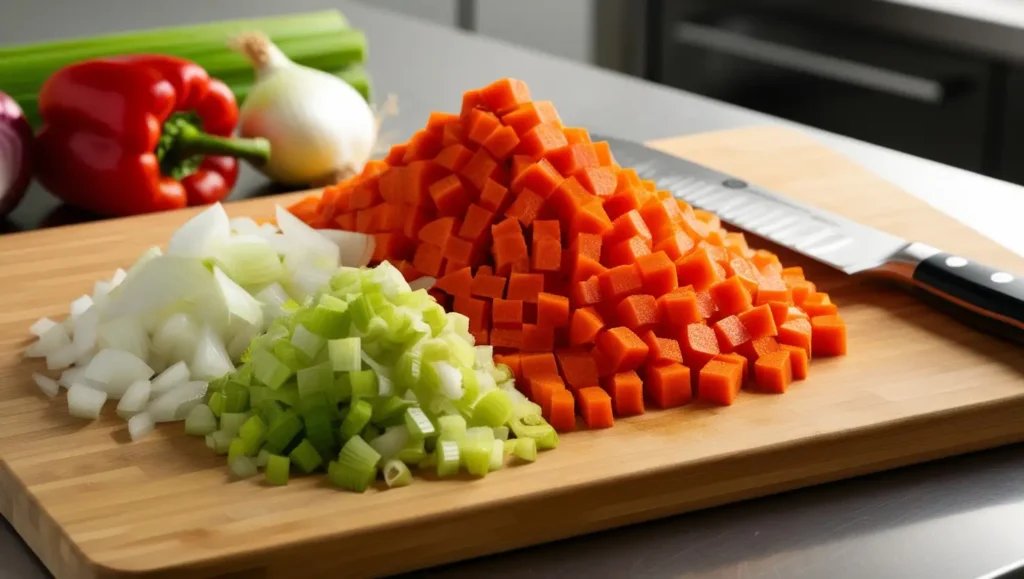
column 915, row 386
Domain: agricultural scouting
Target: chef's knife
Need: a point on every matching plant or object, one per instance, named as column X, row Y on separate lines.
column 983, row 295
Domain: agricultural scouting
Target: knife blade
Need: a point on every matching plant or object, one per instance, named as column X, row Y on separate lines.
column 982, row 295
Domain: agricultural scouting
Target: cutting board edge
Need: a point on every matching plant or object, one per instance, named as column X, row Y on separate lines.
column 1002, row 428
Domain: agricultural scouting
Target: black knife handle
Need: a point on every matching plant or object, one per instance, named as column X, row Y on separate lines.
column 989, row 297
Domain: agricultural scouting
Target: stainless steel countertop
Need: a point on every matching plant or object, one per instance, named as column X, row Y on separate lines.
column 957, row 518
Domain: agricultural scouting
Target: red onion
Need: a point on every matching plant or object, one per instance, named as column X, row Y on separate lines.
column 15, row 154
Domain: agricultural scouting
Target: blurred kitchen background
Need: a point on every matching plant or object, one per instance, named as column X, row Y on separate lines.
column 941, row 79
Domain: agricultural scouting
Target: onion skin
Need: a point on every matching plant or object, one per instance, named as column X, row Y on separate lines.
column 14, row 129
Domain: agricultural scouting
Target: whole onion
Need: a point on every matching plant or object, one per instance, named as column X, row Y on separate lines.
column 15, row 154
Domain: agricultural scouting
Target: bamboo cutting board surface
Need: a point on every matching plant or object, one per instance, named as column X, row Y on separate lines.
column 915, row 386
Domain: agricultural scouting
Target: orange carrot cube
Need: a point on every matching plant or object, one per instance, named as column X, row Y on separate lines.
column 773, row 372
column 699, row 345
column 828, row 335
column 595, row 407
column 584, row 327
column 759, row 321
column 525, row 287
column 627, row 393
column 578, row 368
column 552, row 310
column 798, row 359
column 731, row 296
column 667, row 384
column 637, row 312
column 622, row 348
column 719, row 382
column 731, row 334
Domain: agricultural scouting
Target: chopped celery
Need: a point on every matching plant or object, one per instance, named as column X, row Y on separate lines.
column 236, row 449
column 501, row 373
column 447, row 456
column 413, row 451
column 356, row 466
column 277, row 469
column 236, row 397
column 462, row 351
column 364, row 384
column 269, row 410
column 315, row 379
column 360, row 312
column 305, row 456
column 435, row 318
column 216, row 403
column 452, row 427
column 320, row 432
column 493, row 409
column 270, row 371
column 510, row 445
column 222, row 441
column 475, row 455
column 501, row 432
column 483, row 357
column 231, row 422
column 262, row 457
column 253, row 433
column 200, row 421
column 345, row 354
column 435, row 350
column 389, row 411
column 457, row 323
column 396, row 474
column 391, row 441
column 358, row 417
column 340, row 390
column 290, row 356
column 526, row 449
column 428, row 461
column 329, row 320
column 370, row 432
column 535, row 427
column 497, row 461
column 307, row 342
column 418, row 423
column 282, row 431
column 242, row 467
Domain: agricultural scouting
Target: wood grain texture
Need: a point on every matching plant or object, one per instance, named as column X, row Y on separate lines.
column 915, row 386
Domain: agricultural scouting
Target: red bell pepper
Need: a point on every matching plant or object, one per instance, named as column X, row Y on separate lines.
column 139, row 133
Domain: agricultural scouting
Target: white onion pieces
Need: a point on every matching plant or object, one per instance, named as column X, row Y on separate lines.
column 189, row 314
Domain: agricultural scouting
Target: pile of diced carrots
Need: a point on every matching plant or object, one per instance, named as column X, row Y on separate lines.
column 601, row 293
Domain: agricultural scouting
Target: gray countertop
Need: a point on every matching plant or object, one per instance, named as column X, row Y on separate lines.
column 957, row 518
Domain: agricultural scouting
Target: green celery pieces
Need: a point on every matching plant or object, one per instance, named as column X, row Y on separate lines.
column 277, row 469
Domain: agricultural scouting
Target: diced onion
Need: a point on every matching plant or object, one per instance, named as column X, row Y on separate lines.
column 48, row 385
column 114, row 370
column 41, row 326
column 140, row 425
column 135, row 399
column 210, row 359
column 85, row 402
column 176, row 403
column 175, row 375
column 202, row 234
column 52, row 339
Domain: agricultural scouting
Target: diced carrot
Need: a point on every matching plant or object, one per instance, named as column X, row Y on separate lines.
column 454, row 157
column 525, row 287
column 604, row 154
column 796, row 332
column 591, row 218
column 627, row 393
column 595, row 407
column 567, row 199
column 346, row 221
column 660, row 350
column 395, row 154
column 773, row 372
column 438, row 231
column 391, row 218
column 706, row 306
column 719, row 382
column 697, row 270
column 501, row 142
column 415, row 220
column 539, row 177
column 457, row 283
column 541, row 365
column 510, row 254
column 552, row 310
column 449, row 196
column 422, row 146
column 461, row 251
column 488, row 286
column 478, row 312
column 437, row 121
column 798, row 359
column 367, row 195
column 453, row 266
column 480, row 167
column 637, row 312
column 828, row 335
column 505, row 95
column 578, row 368
column 619, row 282
column 675, row 246
column 754, row 349
column 305, row 208
column 819, row 304
column 493, row 197
column 393, row 245
column 625, row 252
column 780, row 313
column 571, row 159
column 678, row 309
column 476, row 224
column 367, row 220
column 626, row 226
column 731, row 334
column 708, row 217
column 507, row 313
column 716, row 237
column 546, row 254
column 699, row 345
column 622, row 348
column 661, row 217
column 540, row 140
column 452, row 133
column 537, row 338
column 541, row 390
column 801, row 290
column 584, row 326
column 428, row 259
column 416, row 180
column 667, row 384
column 507, row 337
column 505, row 228
column 562, row 415
column 598, row 180
column 620, row 203
column 743, row 269
column 481, row 336
column 513, row 363
column 576, row 135
column 658, row 273
column 772, row 289
column 731, row 296
column 528, row 115
column 389, row 187
column 694, row 227
column 734, row 358
column 759, row 322
column 479, row 125
column 526, row 207
column 766, row 261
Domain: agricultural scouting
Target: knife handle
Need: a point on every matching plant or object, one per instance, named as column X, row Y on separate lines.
column 990, row 298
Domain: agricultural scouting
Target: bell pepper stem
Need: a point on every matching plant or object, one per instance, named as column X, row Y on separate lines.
column 192, row 141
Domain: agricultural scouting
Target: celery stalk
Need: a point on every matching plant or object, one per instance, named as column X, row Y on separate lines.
column 242, row 467
column 231, row 422
column 345, row 354
column 358, row 417
column 216, row 403
column 305, row 456
column 497, row 459
column 418, row 424
column 283, row 431
column 526, row 449
column 475, row 454
column 492, row 409
column 309, row 343
column 253, row 434
column 396, row 474
column 356, row 466
column 277, row 469
column 447, row 456
column 364, row 384
column 413, row 452
column 315, row 379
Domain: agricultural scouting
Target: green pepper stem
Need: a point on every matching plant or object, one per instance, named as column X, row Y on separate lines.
column 192, row 141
